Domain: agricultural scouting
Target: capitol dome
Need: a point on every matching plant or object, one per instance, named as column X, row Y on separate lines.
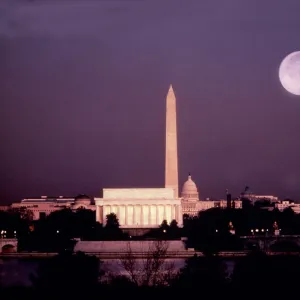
column 189, row 190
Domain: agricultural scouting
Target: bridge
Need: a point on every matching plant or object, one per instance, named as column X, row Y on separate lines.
column 176, row 249
column 265, row 242
column 115, row 256
column 8, row 245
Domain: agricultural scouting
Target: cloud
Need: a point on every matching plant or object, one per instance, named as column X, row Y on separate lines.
column 60, row 19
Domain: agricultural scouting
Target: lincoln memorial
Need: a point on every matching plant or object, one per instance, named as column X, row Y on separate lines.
column 139, row 207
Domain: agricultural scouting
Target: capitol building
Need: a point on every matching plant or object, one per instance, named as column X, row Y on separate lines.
column 139, row 207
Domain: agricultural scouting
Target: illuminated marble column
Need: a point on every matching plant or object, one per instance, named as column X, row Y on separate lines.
column 118, row 212
column 98, row 214
column 157, row 215
column 105, row 213
column 180, row 217
column 126, row 214
column 149, row 214
column 173, row 212
column 176, row 213
column 121, row 215
column 165, row 213
column 133, row 215
column 142, row 215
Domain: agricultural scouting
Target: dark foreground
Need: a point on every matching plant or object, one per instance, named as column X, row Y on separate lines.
column 77, row 277
column 132, row 293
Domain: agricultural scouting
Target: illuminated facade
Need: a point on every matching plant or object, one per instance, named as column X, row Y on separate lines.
column 139, row 208
column 282, row 205
column 44, row 205
column 191, row 205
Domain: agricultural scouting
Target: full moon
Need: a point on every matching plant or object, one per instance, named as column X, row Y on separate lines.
column 289, row 73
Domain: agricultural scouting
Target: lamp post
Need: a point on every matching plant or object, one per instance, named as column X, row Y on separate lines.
column 276, row 229
column 231, row 228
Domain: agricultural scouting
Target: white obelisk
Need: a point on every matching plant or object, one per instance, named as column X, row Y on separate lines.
column 171, row 168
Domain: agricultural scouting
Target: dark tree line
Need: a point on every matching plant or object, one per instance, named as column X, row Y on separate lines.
column 252, row 275
column 15, row 222
column 210, row 231
column 60, row 230
column 57, row 231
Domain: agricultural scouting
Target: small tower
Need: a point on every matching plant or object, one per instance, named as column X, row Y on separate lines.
column 228, row 197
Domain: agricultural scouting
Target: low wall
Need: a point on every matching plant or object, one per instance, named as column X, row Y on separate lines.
column 123, row 246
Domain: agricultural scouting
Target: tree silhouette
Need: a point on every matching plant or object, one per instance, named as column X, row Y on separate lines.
column 285, row 246
column 68, row 272
column 112, row 229
column 205, row 273
column 174, row 230
column 164, row 225
column 112, row 221
column 259, row 272
column 174, row 224
column 153, row 269
column 15, row 222
column 210, row 227
column 23, row 212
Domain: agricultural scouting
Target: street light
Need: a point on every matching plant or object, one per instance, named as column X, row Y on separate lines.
column 217, row 230
column 164, row 230
column 57, row 231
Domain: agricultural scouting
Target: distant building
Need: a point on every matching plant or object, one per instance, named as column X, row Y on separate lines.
column 247, row 194
column 4, row 207
column 191, row 205
column 190, row 199
column 235, row 204
column 139, row 207
column 282, row 205
column 43, row 206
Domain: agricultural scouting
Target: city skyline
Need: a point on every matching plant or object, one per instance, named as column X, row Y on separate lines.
column 83, row 105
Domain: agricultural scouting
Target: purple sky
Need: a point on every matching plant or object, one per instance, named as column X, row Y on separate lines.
column 83, row 86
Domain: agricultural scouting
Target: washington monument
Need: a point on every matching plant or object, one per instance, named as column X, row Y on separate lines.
column 171, row 168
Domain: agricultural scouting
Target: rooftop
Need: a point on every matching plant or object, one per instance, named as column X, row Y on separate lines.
column 139, row 193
